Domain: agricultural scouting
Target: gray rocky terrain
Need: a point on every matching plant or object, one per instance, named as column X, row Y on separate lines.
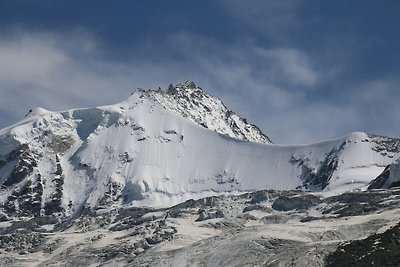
column 263, row 228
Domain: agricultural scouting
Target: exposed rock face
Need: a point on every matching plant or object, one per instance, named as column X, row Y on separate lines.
column 376, row 250
column 284, row 203
column 384, row 145
column 389, row 178
column 23, row 191
column 322, row 176
column 193, row 103
column 381, row 180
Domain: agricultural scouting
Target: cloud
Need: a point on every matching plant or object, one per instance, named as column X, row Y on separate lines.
column 277, row 20
column 17, row 63
column 377, row 101
column 290, row 65
column 61, row 71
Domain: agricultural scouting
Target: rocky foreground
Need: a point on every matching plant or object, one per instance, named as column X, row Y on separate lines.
column 264, row 228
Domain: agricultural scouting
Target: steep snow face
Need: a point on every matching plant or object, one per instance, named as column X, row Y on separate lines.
column 193, row 103
column 140, row 152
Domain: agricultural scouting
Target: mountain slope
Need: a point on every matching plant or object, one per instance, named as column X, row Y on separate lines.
column 150, row 150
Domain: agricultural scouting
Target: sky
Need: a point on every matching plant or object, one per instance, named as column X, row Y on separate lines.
column 302, row 71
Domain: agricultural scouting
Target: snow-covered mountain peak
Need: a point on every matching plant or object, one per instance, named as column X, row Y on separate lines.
column 37, row 112
column 150, row 150
column 186, row 87
column 356, row 136
column 193, row 103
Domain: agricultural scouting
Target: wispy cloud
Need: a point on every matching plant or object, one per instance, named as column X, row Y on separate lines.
column 289, row 65
column 62, row 71
column 275, row 19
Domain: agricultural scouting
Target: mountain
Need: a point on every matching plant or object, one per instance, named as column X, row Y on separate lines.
column 160, row 147
column 98, row 186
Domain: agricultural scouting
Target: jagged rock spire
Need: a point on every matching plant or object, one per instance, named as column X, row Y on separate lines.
column 192, row 102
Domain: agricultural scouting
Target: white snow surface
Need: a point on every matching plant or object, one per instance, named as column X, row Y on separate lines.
column 152, row 155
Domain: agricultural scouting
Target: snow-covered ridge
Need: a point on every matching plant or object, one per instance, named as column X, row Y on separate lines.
column 144, row 151
column 193, row 103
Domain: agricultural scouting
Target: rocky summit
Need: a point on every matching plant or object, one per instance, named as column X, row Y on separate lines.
column 174, row 178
